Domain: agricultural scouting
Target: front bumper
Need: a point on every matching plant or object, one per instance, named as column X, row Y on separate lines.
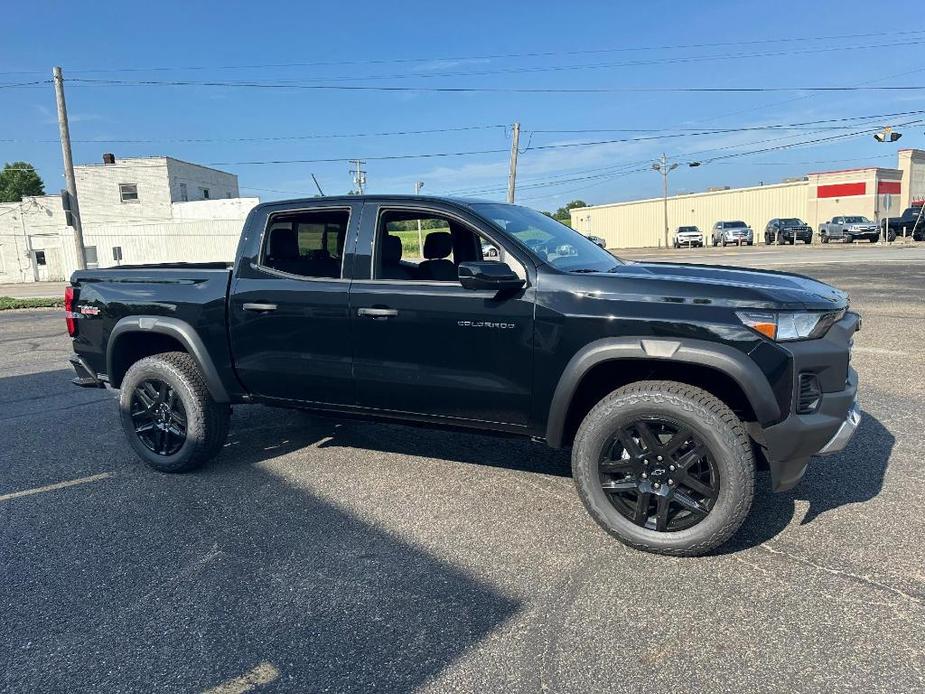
column 692, row 240
column 789, row 444
column 845, row 432
column 863, row 233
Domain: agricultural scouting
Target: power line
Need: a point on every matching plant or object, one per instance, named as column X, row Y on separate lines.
column 496, row 56
column 597, row 66
column 272, row 138
column 80, row 81
column 686, row 131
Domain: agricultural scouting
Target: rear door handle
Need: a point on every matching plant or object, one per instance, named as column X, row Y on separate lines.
column 377, row 312
column 259, row 307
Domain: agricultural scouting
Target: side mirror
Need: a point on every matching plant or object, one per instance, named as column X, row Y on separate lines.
column 488, row 275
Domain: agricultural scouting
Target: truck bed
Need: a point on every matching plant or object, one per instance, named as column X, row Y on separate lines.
column 195, row 293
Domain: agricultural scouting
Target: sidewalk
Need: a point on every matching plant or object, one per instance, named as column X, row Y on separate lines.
column 31, row 290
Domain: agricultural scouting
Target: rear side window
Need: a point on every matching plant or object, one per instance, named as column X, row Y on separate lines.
column 306, row 243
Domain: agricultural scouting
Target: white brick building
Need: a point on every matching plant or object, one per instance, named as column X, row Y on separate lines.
column 144, row 188
column 138, row 210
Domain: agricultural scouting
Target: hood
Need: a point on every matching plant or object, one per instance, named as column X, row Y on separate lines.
column 718, row 285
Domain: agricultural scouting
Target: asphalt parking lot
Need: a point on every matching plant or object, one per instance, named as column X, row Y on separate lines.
column 326, row 555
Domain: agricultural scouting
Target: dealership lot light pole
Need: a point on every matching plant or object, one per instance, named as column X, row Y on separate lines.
column 664, row 168
column 886, row 135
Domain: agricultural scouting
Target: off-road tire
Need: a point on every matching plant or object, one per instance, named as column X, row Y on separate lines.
column 206, row 420
column 711, row 420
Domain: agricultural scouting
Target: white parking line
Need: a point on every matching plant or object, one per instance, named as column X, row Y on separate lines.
column 264, row 673
column 53, row 487
column 880, row 350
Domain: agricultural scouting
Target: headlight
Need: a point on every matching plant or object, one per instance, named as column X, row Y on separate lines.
column 790, row 325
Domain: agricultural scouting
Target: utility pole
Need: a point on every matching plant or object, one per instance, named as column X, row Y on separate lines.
column 69, row 179
column 417, row 191
column 359, row 176
column 664, row 168
column 512, row 176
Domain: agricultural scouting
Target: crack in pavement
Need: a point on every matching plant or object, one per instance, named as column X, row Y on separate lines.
column 866, row 580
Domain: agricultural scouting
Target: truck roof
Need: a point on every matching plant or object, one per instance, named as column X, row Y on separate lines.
column 459, row 201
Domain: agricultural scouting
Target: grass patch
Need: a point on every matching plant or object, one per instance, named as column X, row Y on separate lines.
column 8, row 302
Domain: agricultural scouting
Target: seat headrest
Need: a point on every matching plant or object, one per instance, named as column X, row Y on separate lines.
column 284, row 244
column 391, row 249
column 438, row 244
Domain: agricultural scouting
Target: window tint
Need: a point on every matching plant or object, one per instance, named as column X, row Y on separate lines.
column 547, row 239
column 426, row 247
column 308, row 244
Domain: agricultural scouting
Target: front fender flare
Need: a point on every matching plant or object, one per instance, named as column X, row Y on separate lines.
column 731, row 362
column 180, row 330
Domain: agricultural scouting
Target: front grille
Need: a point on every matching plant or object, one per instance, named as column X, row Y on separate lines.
column 809, row 395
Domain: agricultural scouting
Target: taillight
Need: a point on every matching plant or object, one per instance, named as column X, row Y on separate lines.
column 69, row 311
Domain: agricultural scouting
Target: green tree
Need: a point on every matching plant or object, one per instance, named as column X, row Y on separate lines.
column 563, row 215
column 19, row 179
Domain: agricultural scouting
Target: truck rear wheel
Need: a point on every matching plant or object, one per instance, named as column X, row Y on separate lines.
column 664, row 467
column 168, row 415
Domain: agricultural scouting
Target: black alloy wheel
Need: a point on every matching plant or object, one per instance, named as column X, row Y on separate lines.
column 158, row 417
column 659, row 475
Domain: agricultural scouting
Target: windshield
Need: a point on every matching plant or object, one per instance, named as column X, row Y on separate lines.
column 792, row 223
column 685, row 230
column 857, row 220
column 734, row 225
column 550, row 241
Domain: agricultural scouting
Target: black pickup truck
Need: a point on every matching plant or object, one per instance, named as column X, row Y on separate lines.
column 911, row 223
column 670, row 383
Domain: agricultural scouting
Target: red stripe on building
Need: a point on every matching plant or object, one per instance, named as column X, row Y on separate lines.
column 889, row 187
column 841, row 190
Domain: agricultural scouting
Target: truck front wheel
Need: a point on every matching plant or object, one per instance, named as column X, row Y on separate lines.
column 168, row 415
column 664, row 467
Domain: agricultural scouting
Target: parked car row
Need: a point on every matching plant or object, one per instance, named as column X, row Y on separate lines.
column 789, row 230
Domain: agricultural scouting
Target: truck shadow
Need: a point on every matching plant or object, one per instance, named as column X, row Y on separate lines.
column 851, row 477
column 188, row 581
column 300, row 429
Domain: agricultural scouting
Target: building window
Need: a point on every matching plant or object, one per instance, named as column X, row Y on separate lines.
column 204, row 193
column 90, row 255
column 128, row 192
column 184, row 193
column 117, row 253
column 40, row 258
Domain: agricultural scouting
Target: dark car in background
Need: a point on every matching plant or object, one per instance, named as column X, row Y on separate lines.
column 787, row 230
column 911, row 223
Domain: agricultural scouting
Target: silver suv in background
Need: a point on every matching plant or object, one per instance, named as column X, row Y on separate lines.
column 848, row 229
column 735, row 232
column 688, row 236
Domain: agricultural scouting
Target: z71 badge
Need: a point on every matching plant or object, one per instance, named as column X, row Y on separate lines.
column 484, row 324
column 90, row 310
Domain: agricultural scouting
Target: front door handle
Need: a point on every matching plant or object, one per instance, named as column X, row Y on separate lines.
column 259, row 307
column 377, row 313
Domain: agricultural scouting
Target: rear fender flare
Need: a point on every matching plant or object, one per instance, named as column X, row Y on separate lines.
column 180, row 330
column 731, row 362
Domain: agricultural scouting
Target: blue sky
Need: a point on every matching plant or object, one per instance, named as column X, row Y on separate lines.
column 408, row 44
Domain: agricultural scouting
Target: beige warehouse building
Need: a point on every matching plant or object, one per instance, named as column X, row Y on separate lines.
column 874, row 192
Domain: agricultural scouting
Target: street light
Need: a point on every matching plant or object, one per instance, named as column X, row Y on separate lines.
column 664, row 167
column 885, row 136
